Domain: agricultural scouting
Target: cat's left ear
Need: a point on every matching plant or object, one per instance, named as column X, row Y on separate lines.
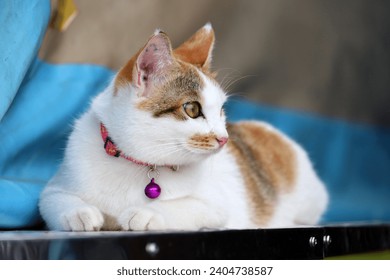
column 149, row 66
column 198, row 49
column 153, row 62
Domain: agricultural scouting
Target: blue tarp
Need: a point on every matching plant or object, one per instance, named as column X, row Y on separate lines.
column 34, row 132
column 40, row 101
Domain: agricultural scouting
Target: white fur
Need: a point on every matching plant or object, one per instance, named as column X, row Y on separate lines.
column 208, row 27
column 92, row 190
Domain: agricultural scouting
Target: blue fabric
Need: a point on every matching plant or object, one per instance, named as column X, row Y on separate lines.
column 22, row 27
column 19, row 42
column 34, row 132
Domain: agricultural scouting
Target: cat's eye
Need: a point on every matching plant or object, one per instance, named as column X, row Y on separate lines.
column 193, row 109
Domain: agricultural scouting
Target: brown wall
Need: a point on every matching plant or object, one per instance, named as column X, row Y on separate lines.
column 329, row 57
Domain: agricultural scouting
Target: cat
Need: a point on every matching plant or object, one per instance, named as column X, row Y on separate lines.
column 154, row 152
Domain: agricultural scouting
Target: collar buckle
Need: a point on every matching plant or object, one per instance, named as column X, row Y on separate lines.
column 111, row 148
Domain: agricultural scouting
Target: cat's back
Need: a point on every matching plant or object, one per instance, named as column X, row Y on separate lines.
column 275, row 170
column 263, row 154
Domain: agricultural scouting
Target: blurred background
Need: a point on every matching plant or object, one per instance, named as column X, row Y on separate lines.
column 318, row 70
column 325, row 57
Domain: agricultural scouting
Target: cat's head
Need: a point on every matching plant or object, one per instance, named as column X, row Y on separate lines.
column 164, row 106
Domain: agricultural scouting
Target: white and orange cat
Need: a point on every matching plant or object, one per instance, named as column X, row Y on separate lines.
column 154, row 153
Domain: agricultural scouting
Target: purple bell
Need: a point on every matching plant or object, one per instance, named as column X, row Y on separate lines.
column 152, row 190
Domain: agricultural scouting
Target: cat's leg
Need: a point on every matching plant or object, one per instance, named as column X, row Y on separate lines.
column 182, row 214
column 67, row 211
column 142, row 218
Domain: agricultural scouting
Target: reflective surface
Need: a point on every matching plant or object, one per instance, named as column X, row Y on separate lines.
column 286, row 243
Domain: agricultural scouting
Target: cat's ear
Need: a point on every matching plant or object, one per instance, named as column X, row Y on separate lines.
column 153, row 61
column 150, row 65
column 198, row 49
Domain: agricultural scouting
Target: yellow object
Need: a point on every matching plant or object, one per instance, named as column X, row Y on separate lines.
column 65, row 14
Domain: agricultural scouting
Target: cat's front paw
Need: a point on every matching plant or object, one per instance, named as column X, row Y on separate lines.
column 141, row 219
column 87, row 218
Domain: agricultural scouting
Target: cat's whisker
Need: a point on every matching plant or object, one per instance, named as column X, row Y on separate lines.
column 174, row 144
column 228, row 76
column 164, row 152
column 234, row 94
column 226, row 81
column 227, row 88
column 169, row 145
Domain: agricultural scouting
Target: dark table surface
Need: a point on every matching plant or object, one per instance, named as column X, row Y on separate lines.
column 284, row 243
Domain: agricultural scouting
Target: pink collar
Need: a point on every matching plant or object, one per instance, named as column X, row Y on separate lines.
column 112, row 149
column 152, row 190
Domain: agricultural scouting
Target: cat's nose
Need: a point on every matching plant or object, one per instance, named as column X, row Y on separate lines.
column 222, row 141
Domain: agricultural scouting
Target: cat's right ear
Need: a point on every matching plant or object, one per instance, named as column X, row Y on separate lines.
column 149, row 66
column 198, row 49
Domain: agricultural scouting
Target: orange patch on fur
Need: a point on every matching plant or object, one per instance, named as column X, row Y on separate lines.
column 125, row 74
column 183, row 84
column 267, row 163
column 197, row 50
column 203, row 141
